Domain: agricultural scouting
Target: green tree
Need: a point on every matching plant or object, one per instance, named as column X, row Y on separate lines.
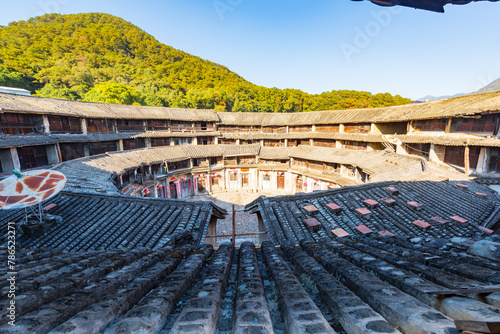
column 111, row 92
column 52, row 91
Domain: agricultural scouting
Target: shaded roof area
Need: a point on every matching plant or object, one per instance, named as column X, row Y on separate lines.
column 284, row 216
column 463, row 105
column 30, row 140
column 381, row 165
column 107, row 222
column 368, row 285
column 448, row 139
column 33, row 104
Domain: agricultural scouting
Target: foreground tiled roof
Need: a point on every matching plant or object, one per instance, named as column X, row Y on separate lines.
column 284, row 215
column 106, row 222
column 357, row 286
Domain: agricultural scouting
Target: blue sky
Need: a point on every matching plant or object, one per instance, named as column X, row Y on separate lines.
column 316, row 46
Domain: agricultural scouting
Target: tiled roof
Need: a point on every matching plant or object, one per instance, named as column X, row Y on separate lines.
column 463, row 105
column 29, row 140
column 366, row 285
column 106, row 222
column 100, row 110
column 450, row 139
column 440, row 199
column 276, row 153
column 381, row 165
column 234, row 150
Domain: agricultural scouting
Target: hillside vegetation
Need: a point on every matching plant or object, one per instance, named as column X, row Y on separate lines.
column 102, row 58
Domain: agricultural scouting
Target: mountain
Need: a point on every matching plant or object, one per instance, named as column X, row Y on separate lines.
column 492, row 87
column 432, row 98
column 102, row 58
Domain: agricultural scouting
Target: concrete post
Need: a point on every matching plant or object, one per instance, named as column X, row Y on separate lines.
column 46, row 124
column 15, row 158
column 481, row 161
column 436, row 153
column 84, row 126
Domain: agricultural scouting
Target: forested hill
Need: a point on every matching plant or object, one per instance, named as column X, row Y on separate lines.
column 102, row 58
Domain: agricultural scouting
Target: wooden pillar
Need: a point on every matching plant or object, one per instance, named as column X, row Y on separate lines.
column 466, row 157
column 448, row 125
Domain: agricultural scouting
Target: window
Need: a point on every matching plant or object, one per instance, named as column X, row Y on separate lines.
column 430, row 125
column 354, row 145
column 324, row 142
column 18, row 124
column 485, row 124
column 246, row 160
column 72, row 151
column 327, row 128
column 215, row 160
column 160, row 142
column 205, row 141
column 154, row 125
column 32, row 157
column 131, row 144
column 100, row 125
column 181, row 126
column 227, row 141
column 182, row 141
column 357, row 128
column 103, row 147
column 303, row 128
column 62, row 124
column 129, row 125
column 178, row 165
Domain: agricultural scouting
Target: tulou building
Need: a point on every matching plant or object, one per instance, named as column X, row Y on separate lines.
column 385, row 222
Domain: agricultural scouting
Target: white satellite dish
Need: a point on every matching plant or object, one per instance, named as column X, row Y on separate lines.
column 24, row 190
column 392, row 140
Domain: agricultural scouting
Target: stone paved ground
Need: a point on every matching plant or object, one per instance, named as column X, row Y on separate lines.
column 245, row 223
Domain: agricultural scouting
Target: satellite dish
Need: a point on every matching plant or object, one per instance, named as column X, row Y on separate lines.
column 392, row 140
column 24, row 190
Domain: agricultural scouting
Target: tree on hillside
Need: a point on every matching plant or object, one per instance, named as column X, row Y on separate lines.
column 111, row 92
column 13, row 79
column 103, row 58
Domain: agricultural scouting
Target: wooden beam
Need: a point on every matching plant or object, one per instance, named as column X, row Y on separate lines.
column 237, row 234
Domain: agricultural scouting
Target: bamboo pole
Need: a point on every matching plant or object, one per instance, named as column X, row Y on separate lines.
column 234, row 228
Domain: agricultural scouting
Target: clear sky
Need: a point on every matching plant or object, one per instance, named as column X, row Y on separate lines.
column 316, row 46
